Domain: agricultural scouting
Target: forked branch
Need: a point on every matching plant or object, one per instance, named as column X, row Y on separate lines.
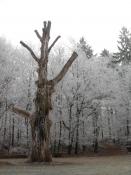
column 30, row 50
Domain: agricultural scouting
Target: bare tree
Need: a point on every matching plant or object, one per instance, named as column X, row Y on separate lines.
column 39, row 120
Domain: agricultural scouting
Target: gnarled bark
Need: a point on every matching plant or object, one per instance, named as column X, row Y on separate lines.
column 39, row 120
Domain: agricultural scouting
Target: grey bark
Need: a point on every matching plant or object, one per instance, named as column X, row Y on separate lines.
column 39, row 120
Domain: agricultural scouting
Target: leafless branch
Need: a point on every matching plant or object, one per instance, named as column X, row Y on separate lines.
column 117, row 60
column 88, row 115
column 99, row 97
column 53, row 43
column 65, row 69
column 38, row 35
column 21, row 112
column 30, row 50
column 65, row 125
column 45, row 23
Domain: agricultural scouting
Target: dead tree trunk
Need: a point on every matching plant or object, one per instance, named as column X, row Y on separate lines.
column 39, row 120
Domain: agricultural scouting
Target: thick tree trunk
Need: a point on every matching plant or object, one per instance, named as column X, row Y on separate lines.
column 40, row 122
column 40, row 129
column 40, row 125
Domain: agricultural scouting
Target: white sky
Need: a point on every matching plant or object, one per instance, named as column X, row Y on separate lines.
column 99, row 21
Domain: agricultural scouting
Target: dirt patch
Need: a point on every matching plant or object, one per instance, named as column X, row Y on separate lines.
column 112, row 149
column 4, row 163
column 107, row 165
column 69, row 160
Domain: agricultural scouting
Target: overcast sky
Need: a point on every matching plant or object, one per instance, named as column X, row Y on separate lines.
column 99, row 21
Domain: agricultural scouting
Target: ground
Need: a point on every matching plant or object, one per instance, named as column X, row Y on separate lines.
column 111, row 165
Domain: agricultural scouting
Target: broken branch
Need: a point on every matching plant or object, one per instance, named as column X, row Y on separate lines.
column 21, row 112
column 53, row 43
column 30, row 50
column 38, row 35
column 64, row 70
column 48, row 28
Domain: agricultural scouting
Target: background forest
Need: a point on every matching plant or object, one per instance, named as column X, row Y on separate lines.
column 91, row 105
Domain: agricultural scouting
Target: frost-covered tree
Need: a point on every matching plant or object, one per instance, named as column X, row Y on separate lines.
column 15, row 68
column 105, row 53
column 90, row 106
column 85, row 83
column 124, row 47
column 85, row 47
column 7, row 72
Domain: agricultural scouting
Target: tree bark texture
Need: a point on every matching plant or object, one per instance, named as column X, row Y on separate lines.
column 39, row 120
